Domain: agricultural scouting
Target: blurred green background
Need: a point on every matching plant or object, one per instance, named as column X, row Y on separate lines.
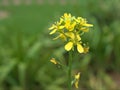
column 26, row 46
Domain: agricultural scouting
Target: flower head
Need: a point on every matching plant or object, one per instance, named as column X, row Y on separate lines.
column 69, row 28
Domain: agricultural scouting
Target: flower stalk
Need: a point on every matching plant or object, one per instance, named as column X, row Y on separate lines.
column 70, row 29
column 70, row 71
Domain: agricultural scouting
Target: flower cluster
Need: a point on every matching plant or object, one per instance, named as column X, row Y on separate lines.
column 69, row 28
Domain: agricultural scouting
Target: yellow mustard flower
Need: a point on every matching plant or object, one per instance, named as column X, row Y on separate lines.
column 53, row 61
column 70, row 45
column 66, row 16
column 77, row 77
column 68, row 20
column 83, row 22
column 84, row 26
column 69, row 28
column 56, row 26
column 75, row 40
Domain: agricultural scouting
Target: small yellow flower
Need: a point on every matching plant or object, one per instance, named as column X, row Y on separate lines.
column 86, row 49
column 56, row 26
column 74, row 40
column 69, row 23
column 78, row 37
column 84, row 26
column 70, row 26
column 77, row 77
column 66, row 16
column 53, row 61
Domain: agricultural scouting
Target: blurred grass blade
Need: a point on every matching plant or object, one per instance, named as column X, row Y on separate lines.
column 6, row 69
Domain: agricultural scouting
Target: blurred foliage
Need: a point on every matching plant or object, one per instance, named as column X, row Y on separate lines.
column 26, row 47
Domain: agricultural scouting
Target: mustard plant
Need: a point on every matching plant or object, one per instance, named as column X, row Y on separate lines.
column 70, row 29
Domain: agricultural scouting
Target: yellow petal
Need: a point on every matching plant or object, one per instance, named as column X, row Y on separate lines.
column 61, row 20
column 53, row 31
column 69, row 46
column 71, row 27
column 70, row 34
column 85, row 29
column 61, row 27
column 67, row 16
column 78, row 37
column 53, row 61
column 77, row 77
column 76, row 84
column 80, row 48
column 53, row 26
column 67, row 24
column 63, row 37
column 56, row 37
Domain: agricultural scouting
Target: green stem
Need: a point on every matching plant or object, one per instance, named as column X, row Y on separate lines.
column 70, row 70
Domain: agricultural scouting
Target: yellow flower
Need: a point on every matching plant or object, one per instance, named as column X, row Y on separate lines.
column 56, row 26
column 53, row 61
column 68, row 20
column 70, row 45
column 86, row 49
column 66, row 16
column 69, row 26
column 77, row 77
column 84, row 26
column 74, row 40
